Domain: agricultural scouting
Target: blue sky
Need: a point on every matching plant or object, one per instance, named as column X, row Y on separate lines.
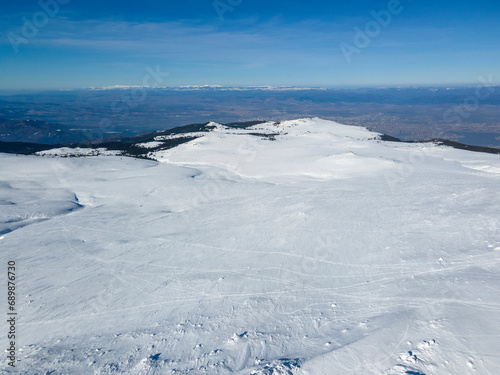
column 104, row 43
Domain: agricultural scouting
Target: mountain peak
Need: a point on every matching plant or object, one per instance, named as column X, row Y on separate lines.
column 309, row 147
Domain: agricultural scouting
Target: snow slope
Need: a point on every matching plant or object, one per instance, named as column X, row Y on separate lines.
column 306, row 247
column 300, row 148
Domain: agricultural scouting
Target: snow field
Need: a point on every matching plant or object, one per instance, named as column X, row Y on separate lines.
column 324, row 251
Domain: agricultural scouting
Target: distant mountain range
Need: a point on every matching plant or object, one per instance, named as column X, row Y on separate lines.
column 212, row 88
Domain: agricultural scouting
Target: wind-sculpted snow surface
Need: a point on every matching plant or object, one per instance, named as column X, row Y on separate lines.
column 305, row 247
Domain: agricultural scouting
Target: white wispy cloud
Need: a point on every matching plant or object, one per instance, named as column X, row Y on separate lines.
column 176, row 39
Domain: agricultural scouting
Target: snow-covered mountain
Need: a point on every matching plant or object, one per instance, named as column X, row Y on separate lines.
column 300, row 247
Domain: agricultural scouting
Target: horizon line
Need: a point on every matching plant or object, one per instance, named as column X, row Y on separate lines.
column 254, row 87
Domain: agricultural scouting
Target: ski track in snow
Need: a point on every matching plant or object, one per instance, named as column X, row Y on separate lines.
column 324, row 251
